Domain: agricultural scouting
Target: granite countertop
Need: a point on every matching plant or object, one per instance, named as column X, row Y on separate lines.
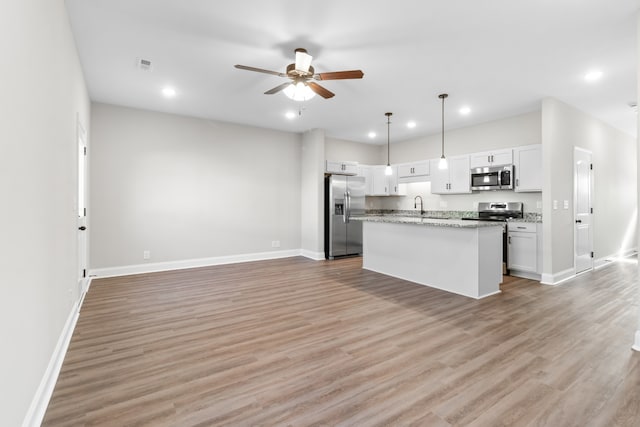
column 433, row 222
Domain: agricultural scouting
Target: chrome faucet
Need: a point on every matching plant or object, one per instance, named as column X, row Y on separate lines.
column 415, row 204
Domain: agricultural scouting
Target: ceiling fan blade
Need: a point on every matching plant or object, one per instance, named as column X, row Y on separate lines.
column 260, row 70
column 340, row 75
column 323, row 92
column 277, row 88
column 303, row 60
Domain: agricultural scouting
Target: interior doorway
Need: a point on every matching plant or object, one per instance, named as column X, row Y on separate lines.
column 583, row 211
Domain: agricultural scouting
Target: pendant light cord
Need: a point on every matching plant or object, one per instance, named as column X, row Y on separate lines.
column 388, row 136
column 443, row 96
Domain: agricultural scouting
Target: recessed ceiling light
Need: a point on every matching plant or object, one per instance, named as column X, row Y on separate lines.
column 372, row 135
column 169, row 92
column 290, row 115
column 465, row 110
column 411, row 124
column 592, row 76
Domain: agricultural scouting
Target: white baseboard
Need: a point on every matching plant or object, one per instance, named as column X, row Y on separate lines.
column 525, row 274
column 636, row 344
column 317, row 256
column 563, row 276
column 190, row 263
column 557, row 278
column 607, row 260
column 38, row 407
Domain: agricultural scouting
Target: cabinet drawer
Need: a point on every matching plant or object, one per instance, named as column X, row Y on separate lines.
column 524, row 227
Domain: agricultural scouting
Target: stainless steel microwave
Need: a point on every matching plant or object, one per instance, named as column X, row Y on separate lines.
column 492, row 178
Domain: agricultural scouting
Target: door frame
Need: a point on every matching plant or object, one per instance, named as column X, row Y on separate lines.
column 575, row 209
column 82, row 193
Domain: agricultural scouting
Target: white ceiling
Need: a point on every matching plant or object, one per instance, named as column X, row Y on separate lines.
column 499, row 57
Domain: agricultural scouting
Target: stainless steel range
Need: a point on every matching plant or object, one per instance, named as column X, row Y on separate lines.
column 499, row 212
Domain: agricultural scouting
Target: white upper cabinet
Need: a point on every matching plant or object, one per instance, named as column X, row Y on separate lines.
column 491, row 158
column 413, row 172
column 453, row 180
column 365, row 171
column 385, row 185
column 341, row 168
column 527, row 162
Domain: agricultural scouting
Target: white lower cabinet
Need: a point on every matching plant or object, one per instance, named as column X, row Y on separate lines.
column 524, row 249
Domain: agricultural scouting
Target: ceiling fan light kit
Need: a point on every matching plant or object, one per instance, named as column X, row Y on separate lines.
column 299, row 92
column 302, row 87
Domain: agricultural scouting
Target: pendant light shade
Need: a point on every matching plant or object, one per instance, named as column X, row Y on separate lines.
column 388, row 170
column 443, row 164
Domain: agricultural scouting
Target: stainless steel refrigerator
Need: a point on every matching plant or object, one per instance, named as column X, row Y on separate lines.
column 343, row 198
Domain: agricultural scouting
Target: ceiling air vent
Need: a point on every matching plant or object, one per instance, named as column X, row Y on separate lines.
column 143, row 64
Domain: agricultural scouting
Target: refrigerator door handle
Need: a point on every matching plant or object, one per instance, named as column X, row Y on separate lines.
column 347, row 199
column 345, row 208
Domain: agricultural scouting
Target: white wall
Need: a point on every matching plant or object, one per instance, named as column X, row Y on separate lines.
column 186, row 188
column 43, row 91
column 341, row 150
column 312, row 194
column 614, row 197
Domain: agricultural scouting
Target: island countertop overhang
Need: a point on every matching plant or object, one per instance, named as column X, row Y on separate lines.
column 433, row 222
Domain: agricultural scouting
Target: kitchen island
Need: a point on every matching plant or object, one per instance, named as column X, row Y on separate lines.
column 463, row 257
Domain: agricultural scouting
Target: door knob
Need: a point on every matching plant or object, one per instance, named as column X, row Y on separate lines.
column 578, row 221
column 82, row 228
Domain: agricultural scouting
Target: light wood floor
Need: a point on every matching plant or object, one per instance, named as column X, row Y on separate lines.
column 300, row 342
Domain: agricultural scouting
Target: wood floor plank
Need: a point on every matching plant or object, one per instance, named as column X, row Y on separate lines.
column 300, row 342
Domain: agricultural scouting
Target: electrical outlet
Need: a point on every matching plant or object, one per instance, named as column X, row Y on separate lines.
column 146, row 255
column 539, row 204
column 566, row 204
column 555, row 204
column 443, row 204
column 275, row 244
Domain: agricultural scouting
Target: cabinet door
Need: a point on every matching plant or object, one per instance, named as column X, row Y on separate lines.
column 478, row 160
column 439, row 179
column 406, row 170
column 491, row 158
column 413, row 172
column 341, row 168
column 502, row 157
column 380, row 186
column 459, row 175
column 528, row 168
column 393, row 182
column 523, row 251
column 365, row 172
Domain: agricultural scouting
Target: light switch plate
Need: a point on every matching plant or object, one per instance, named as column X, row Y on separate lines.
column 566, row 204
column 538, row 204
column 555, row 204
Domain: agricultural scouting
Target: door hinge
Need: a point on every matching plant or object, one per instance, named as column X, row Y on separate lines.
column 85, row 151
column 591, row 210
column 84, row 272
column 592, row 254
column 85, row 211
column 591, row 166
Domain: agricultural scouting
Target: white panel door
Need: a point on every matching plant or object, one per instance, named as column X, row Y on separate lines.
column 583, row 233
column 82, row 208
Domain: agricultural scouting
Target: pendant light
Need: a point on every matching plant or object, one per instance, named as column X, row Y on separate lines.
column 388, row 170
column 443, row 164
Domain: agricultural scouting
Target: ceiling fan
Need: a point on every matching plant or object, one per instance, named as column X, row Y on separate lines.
column 301, row 73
